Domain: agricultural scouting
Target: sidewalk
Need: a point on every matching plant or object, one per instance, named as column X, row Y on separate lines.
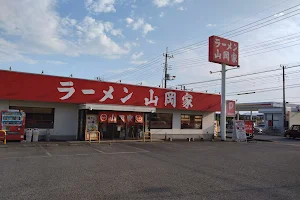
column 264, row 138
column 68, row 143
column 268, row 138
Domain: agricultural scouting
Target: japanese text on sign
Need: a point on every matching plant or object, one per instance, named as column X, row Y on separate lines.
column 223, row 51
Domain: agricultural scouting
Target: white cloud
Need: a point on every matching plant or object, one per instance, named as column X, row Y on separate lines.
column 50, row 34
column 118, row 71
column 135, row 58
column 56, row 62
column 164, row 3
column 150, row 41
column 136, row 55
column 279, row 14
column 138, row 62
column 129, row 20
column 161, row 3
column 147, row 28
column 181, row 8
column 211, row 25
column 98, row 6
column 9, row 53
column 162, row 14
column 139, row 24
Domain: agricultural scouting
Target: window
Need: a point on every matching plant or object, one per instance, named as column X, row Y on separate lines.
column 37, row 117
column 191, row 122
column 161, row 120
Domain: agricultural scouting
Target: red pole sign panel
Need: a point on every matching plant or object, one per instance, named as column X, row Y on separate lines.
column 223, row 51
column 230, row 108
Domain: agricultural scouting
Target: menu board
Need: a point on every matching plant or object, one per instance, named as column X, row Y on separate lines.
column 239, row 130
column 91, row 125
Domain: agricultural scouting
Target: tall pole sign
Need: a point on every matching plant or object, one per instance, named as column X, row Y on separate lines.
column 224, row 52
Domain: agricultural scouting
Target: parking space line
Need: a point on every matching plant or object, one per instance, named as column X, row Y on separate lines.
column 141, row 150
column 47, row 152
column 97, row 150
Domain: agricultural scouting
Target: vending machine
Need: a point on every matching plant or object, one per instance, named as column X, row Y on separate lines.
column 13, row 122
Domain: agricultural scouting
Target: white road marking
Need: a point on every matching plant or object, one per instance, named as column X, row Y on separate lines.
column 141, row 150
column 47, row 152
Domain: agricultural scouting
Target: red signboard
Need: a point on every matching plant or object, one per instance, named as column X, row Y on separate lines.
column 38, row 87
column 249, row 126
column 230, row 108
column 223, row 51
column 126, row 117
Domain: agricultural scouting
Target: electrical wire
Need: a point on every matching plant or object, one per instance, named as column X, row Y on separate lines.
column 204, row 42
column 239, row 20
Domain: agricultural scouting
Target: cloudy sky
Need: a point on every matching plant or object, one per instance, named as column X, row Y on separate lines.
column 125, row 40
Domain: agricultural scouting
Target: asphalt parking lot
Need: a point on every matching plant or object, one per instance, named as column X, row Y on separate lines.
column 159, row 170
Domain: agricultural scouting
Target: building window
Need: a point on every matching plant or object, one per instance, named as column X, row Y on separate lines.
column 161, row 120
column 191, row 122
column 37, row 117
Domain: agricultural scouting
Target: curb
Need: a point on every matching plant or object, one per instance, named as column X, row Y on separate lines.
column 263, row 140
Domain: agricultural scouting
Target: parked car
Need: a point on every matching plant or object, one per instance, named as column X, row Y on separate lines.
column 258, row 130
column 293, row 132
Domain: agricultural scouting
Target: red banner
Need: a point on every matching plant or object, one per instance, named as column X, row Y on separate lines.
column 249, row 126
column 38, row 87
column 223, row 51
column 230, row 108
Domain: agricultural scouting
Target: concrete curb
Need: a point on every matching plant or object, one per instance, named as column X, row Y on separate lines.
column 263, row 140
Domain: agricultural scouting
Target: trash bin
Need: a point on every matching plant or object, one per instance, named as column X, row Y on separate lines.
column 47, row 137
column 35, row 134
column 28, row 134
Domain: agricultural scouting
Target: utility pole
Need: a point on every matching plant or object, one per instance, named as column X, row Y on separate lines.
column 283, row 98
column 166, row 66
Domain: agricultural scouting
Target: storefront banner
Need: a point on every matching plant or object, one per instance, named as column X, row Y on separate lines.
column 126, row 117
column 112, row 117
column 45, row 88
column 139, row 118
column 103, row 117
column 123, row 118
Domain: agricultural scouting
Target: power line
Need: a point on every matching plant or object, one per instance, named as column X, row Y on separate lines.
column 204, row 42
column 234, row 22
column 139, row 67
column 250, row 74
column 246, row 48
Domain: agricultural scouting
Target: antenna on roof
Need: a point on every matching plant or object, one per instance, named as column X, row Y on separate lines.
column 10, row 68
column 42, row 71
column 71, row 76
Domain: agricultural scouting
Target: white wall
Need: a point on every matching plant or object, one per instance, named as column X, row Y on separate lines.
column 294, row 118
column 65, row 117
column 178, row 133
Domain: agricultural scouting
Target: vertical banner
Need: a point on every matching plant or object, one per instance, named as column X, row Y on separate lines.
column 230, row 108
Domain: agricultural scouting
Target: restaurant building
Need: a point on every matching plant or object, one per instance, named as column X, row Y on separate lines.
column 68, row 108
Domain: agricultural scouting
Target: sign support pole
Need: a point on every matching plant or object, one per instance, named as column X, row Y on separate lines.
column 223, row 101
